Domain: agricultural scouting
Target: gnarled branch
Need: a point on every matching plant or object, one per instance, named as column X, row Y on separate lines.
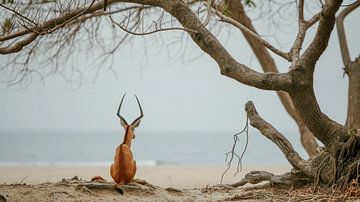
column 210, row 45
column 276, row 137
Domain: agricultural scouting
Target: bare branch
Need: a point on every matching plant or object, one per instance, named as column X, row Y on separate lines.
column 240, row 26
column 18, row 46
column 341, row 32
column 276, row 137
column 299, row 40
column 157, row 29
column 53, row 24
column 314, row 19
column 322, row 36
column 301, row 11
column 14, row 35
column 18, row 14
column 210, row 45
column 237, row 12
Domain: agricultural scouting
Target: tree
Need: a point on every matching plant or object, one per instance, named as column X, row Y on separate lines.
column 27, row 26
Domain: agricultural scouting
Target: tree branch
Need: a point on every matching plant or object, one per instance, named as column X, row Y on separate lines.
column 157, row 29
column 243, row 28
column 322, row 36
column 276, row 137
column 237, row 12
column 314, row 19
column 341, row 32
column 210, row 45
column 18, row 14
column 18, row 46
column 53, row 24
column 301, row 11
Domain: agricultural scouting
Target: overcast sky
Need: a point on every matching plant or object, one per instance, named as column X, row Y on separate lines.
column 190, row 95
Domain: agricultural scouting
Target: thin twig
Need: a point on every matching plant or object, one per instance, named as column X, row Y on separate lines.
column 233, row 153
column 151, row 32
column 18, row 14
column 231, row 21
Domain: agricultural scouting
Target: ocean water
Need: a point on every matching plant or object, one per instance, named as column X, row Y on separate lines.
column 96, row 148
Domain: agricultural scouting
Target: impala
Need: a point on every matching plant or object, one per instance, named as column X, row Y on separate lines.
column 124, row 167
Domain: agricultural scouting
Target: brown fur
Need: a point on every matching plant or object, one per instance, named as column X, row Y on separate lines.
column 124, row 167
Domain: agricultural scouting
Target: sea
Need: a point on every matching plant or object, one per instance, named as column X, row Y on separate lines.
column 150, row 148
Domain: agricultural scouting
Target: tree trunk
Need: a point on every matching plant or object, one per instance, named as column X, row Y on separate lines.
column 352, row 69
column 353, row 113
column 237, row 12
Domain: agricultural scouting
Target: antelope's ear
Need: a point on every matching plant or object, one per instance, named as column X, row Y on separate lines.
column 136, row 123
column 123, row 123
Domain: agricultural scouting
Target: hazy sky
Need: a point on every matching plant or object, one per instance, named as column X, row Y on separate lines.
column 190, row 95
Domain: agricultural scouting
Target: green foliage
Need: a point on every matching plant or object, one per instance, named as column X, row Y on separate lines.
column 250, row 3
column 7, row 26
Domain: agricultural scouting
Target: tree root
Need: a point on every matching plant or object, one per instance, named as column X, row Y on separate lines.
column 249, row 196
column 255, row 177
column 289, row 179
column 338, row 166
column 348, row 161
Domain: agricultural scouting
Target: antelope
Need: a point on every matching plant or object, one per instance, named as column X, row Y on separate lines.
column 124, row 167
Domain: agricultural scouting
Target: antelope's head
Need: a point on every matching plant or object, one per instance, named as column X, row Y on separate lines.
column 133, row 124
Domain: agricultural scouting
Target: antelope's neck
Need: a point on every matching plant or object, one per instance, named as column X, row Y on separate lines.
column 128, row 136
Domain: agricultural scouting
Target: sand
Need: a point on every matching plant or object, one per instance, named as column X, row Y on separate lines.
column 161, row 183
column 163, row 176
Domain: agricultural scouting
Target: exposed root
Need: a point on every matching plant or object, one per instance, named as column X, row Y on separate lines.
column 289, row 179
column 306, row 193
column 324, row 166
column 330, row 168
column 259, row 186
column 251, row 195
column 353, row 190
column 348, row 161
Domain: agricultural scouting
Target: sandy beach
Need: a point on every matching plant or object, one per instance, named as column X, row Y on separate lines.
column 159, row 183
column 163, row 176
